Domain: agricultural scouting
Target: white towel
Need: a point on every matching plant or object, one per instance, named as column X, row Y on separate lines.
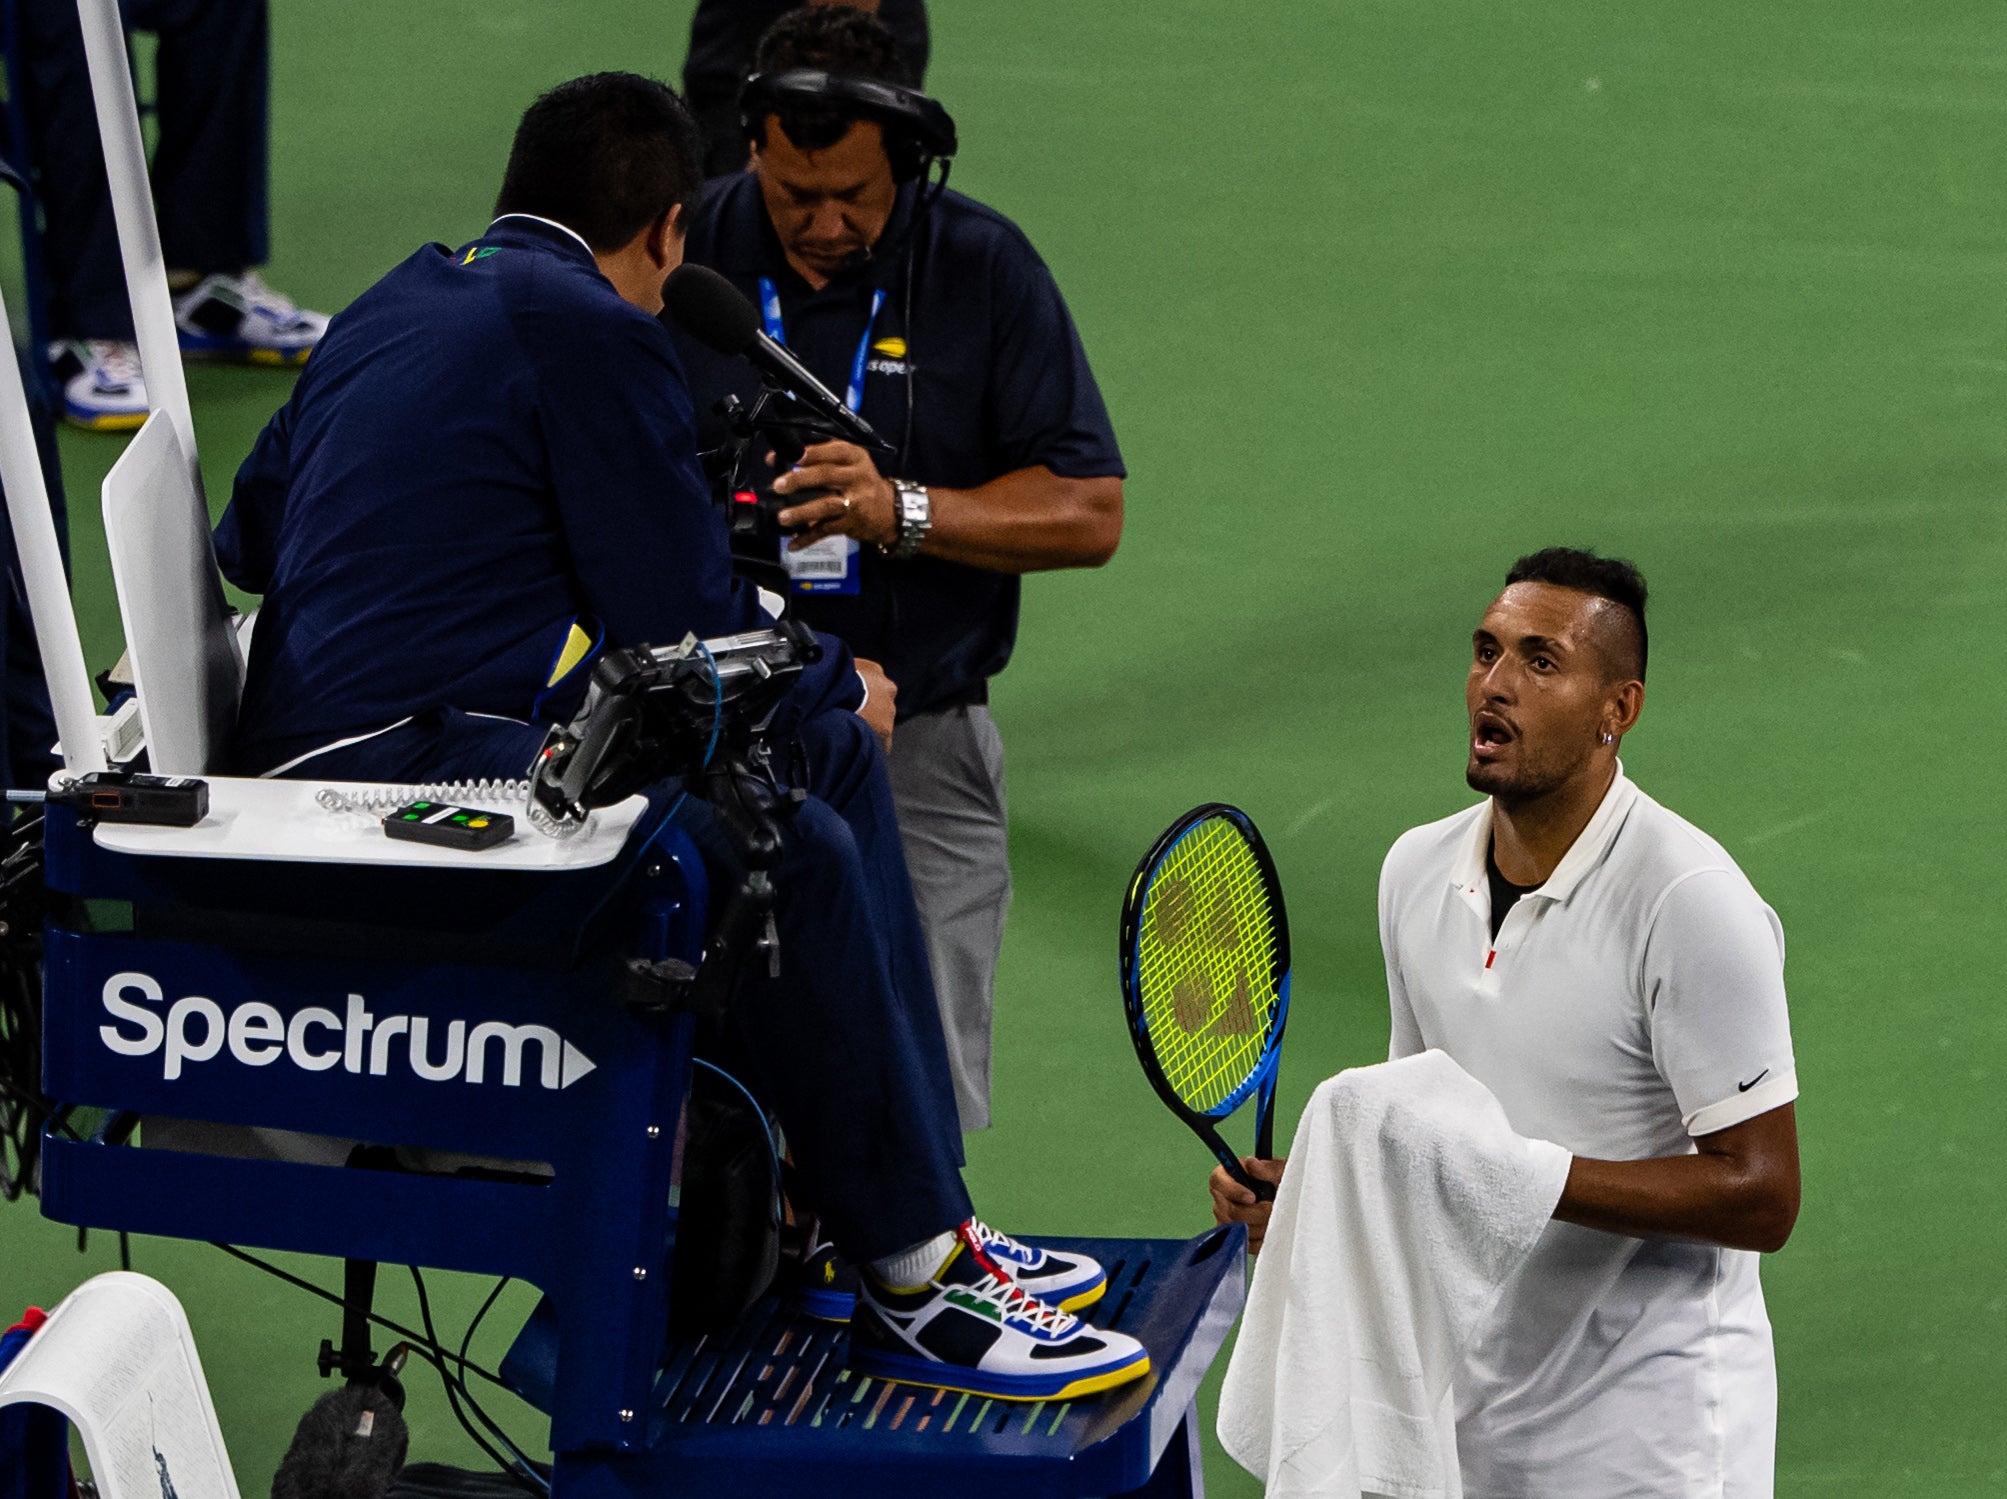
column 1407, row 1204
column 117, row 1358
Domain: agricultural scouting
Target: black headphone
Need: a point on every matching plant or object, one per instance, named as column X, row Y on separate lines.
column 918, row 131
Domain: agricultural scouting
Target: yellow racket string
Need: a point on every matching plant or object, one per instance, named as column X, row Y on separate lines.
column 1205, row 963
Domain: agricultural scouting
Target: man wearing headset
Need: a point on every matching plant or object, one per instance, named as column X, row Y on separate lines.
column 725, row 34
column 936, row 319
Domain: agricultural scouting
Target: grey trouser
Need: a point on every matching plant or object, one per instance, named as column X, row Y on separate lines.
column 948, row 791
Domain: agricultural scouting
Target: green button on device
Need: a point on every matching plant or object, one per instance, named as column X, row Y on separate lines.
column 449, row 826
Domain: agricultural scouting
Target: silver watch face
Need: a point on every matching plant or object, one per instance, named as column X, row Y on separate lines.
column 914, row 519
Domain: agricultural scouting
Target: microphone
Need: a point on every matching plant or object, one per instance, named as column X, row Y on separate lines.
column 716, row 313
column 351, row 1445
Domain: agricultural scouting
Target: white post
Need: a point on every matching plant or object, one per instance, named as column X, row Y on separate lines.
column 42, row 570
column 138, row 232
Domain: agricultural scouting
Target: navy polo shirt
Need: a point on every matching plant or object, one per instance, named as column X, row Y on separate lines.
column 489, row 448
column 998, row 382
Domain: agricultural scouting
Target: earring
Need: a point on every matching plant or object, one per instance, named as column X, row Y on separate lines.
column 1609, row 738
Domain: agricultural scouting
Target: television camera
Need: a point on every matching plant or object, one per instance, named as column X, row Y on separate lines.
column 700, row 710
column 793, row 411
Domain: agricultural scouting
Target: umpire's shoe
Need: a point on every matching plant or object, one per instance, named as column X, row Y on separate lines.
column 972, row 1327
column 1067, row 1279
column 827, row 1287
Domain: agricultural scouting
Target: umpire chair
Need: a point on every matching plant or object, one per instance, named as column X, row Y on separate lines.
column 285, row 1009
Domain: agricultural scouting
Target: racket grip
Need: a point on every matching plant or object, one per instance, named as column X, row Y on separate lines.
column 1263, row 1191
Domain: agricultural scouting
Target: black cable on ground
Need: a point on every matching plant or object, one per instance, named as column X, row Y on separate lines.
column 427, row 1346
column 456, row 1391
column 473, row 1326
column 529, row 1468
column 24, row 1109
column 438, row 1359
column 421, row 1344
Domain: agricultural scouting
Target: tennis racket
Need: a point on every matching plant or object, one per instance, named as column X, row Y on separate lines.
column 1205, row 976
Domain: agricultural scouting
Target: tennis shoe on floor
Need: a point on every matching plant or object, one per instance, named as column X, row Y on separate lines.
column 241, row 318
column 1066, row 1279
column 103, row 390
column 973, row 1328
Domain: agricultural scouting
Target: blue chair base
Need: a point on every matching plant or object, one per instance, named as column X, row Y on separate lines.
column 771, row 1409
column 393, row 1006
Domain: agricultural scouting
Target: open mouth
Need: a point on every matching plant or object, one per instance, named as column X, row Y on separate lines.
column 1489, row 734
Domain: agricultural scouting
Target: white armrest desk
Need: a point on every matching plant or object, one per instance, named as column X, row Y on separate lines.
column 280, row 820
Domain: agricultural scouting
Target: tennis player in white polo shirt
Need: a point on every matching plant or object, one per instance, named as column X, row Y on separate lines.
column 1608, row 972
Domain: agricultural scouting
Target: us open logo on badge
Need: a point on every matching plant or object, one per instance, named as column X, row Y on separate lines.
column 890, row 357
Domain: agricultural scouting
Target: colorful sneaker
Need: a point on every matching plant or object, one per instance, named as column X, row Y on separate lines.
column 1067, row 1280
column 241, row 318
column 103, row 390
column 827, row 1290
column 973, row 1328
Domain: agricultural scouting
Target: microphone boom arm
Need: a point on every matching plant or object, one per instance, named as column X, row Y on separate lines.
column 786, row 379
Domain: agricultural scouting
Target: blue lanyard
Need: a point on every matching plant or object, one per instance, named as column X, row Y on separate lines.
column 770, row 315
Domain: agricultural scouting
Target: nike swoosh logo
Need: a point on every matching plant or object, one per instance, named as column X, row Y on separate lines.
column 1745, row 1087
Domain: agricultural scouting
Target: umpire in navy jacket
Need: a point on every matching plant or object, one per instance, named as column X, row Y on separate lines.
column 485, row 472
column 937, row 320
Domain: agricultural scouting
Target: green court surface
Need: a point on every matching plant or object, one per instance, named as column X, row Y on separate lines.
column 1382, row 294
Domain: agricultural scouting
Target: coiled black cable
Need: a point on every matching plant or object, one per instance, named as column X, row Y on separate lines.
column 25, row 1110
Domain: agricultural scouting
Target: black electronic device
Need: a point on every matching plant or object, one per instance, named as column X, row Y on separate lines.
column 918, row 131
column 701, row 710
column 126, row 796
column 447, row 826
column 690, row 710
column 718, row 315
column 792, row 411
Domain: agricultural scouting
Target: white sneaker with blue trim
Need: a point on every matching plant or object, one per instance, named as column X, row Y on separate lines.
column 974, row 1328
column 103, row 390
column 1066, row 1279
column 241, row 318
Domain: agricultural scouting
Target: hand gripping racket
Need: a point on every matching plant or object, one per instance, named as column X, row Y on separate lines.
column 1205, row 976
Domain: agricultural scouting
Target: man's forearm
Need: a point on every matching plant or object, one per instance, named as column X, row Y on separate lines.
column 1029, row 520
column 1741, row 1191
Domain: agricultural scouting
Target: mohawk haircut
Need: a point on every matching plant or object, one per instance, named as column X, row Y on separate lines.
column 1610, row 578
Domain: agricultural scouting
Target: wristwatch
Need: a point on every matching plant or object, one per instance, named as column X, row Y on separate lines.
column 915, row 514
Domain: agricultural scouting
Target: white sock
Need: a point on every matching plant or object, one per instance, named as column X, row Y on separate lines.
column 916, row 1266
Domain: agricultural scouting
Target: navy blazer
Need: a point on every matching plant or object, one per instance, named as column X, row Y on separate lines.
column 489, row 447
